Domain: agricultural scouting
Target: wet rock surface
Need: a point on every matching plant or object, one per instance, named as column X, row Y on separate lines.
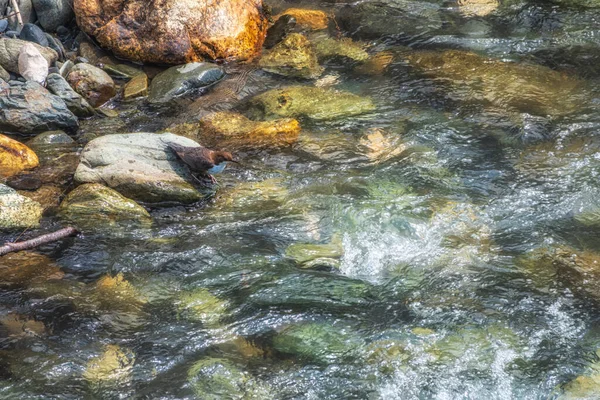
column 93, row 84
column 18, row 211
column 139, row 166
column 177, row 31
column 176, row 81
column 294, row 56
column 306, row 101
column 93, row 205
column 73, row 100
column 29, row 108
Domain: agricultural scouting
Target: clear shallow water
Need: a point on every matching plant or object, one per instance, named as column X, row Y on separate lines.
column 431, row 204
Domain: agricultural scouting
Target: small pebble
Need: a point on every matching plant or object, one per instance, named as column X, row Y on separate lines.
column 63, row 32
column 24, row 182
column 81, row 60
column 3, row 25
column 11, row 34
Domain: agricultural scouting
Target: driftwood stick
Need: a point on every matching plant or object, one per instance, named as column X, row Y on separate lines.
column 17, row 11
column 30, row 244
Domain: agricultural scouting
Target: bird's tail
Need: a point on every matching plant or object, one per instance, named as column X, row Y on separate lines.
column 173, row 146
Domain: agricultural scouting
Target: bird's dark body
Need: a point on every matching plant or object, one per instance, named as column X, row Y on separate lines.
column 199, row 159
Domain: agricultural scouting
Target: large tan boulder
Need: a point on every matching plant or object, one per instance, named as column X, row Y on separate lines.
column 175, row 31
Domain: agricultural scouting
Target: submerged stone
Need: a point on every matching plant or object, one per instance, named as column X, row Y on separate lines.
column 306, row 19
column 47, row 195
column 577, row 270
column 513, row 87
column 51, row 138
column 201, row 305
column 322, row 292
column 367, row 20
column 177, row 81
column 94, row 205
column 252, row 196
column 24, row 268
column 306, row 101
column 115, row 292
column 316, row 255
column 218, row 378
column 228, row 130
column 293, row 56
column 328, row 47
column 15, row 157
column 317, row 342
column 113, row 367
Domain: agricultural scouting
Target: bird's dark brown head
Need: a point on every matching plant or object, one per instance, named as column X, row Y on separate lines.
column 220, row 156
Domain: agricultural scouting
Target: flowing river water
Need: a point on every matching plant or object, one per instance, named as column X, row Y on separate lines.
column 443, row 246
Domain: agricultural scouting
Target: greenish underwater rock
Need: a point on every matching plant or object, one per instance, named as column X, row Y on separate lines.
column 317, row 342
column 314, row 255
column 201, row 305
column 368, row 20
column 587, row 210
column 218, row 378
column 294, row 56
column 509, row 87
column 307, row 101
column 111, row 368
column 51, row 138
column 327, row 47
column 94, row 205
column 315, row 290
column 16, row 211
column 140, row 166
column 178, row 80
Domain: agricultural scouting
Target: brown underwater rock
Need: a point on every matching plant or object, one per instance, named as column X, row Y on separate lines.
column 175, row 31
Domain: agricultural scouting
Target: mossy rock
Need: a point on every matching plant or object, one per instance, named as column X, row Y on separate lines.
column 310, row 102
column 201, row 305
column 294, row 56
column 94, row 205
column 327, row 47
column 252, row 196
column 18, row 211
column 313, row 255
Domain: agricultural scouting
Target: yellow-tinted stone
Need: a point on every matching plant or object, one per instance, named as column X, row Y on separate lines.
column 377, row 64
column 115, row 290
column 136, row 87
column 48, row 196
column 227, row 129
column 15, row 157
column 307, row 19
column 112, row 366
column 512, row 87
column 23, row 267
column 19, row 325
column 479, row 8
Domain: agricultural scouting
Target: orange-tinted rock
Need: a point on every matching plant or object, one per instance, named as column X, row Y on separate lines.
column 307, row 19
column 15, row 157
column 23, row 268
column 175, row 31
